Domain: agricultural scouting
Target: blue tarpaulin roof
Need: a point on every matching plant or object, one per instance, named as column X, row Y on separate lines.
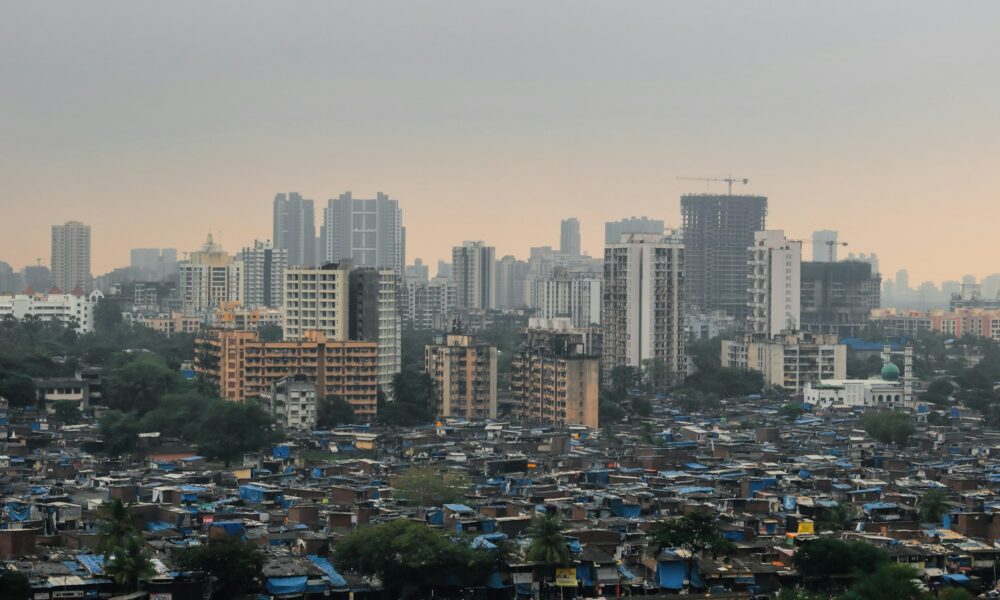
column 336, row 580
column 92, row 562
column 158, row 526
column 17, row 511
column 286, row 585
column 626, row 573
column 671, row 575
column 232, row 528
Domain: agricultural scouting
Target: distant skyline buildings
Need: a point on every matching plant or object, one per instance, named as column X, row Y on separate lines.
column 569, row 237
column 613, row 230
column 294, row 228
column 824, row 245
column 474, row 274
column 71, row 257
column 927, row 294
column 369, row 232
column 209, row 278
column 264, row 269
column 153, row 264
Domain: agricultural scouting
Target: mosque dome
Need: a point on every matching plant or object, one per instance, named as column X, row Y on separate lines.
column 890, row 372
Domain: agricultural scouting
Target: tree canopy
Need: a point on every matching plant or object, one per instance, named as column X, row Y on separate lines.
column 888, row 426
column 235, row 565
column 333, row 411
column 698, row 531
column 824, row 561
column 888, row 582
column 428, row 486
column 411, row 558
column 413, row 400
column 139, row 382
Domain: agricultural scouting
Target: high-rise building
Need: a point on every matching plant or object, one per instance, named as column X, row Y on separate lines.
column 71, row 256
column 418, row 272
column 902, row 281
column 209, row 278
column 839, row 297
column 10, row 281
column 824, row 244
column 554, row 381
column 263, row 274
column 613, row 230
column 474, row 275
column 430, row 303
column 868, row 258
column 36, row 278
column 153, row 264
column 510, row 282
column 569, row 237
column 643, row 316
column 369, row 233
column 317, row 300
column 576, row 296
column 443, row 269
column 464, row 373
column 295, row 229
column 775, row 284
column 718, row 233
column 374, row 316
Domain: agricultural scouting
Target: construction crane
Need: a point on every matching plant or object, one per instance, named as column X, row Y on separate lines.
column 729, row 180
column 829, row 246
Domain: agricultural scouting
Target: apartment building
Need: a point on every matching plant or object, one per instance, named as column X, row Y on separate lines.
column 317, row 300
column 553, row 380
column 245, row 367
column 464, row 373
column 789, row 360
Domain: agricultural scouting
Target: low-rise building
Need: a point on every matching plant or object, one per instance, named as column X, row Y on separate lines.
column 173, row 323
column 960, row 322
column 293, row 401
column 790, row 359
column 885, row 392
column 232, row 315
column 60, row 389
column 76, row 310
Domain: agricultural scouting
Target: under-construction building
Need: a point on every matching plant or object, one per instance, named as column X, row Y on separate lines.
column 718, row 233
column 839, row 297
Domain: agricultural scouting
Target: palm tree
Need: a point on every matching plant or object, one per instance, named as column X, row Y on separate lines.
column 932, row 506
column 548, row 544
column 130, row 564
column 115, row 524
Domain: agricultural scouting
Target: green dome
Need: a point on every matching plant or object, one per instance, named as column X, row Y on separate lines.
column 890, row 372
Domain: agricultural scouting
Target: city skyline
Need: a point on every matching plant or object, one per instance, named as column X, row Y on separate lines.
column 165, row 140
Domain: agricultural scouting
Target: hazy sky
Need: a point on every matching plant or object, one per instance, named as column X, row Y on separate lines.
column 154, row 121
